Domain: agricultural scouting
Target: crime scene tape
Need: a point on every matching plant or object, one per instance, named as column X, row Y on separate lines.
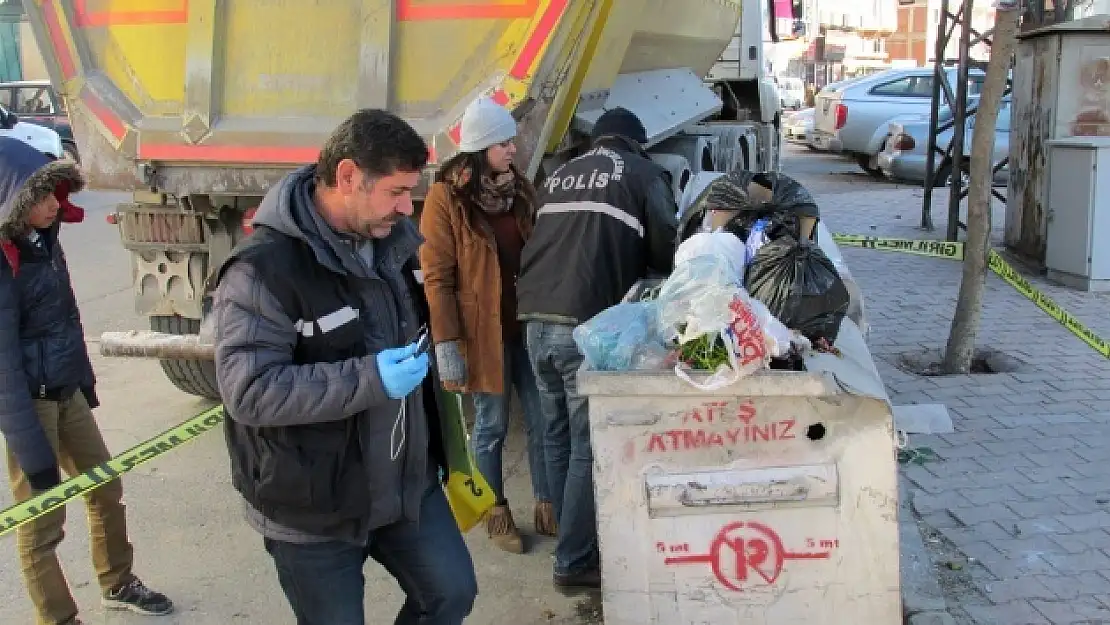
column 171, row 439
column 105, row 472
column 955, row 251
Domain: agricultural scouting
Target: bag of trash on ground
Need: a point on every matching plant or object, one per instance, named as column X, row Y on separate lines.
column 717, row 326
column 624, row 337
column 800, row 286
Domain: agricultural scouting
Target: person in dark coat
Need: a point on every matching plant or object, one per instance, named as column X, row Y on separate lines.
column 606, row 220
column 47, row 391
column 333, row 429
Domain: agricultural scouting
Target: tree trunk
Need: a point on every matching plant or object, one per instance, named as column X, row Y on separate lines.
column 965, row 323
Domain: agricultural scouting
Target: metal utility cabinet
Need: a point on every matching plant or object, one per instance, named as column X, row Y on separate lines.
column 770, row 502
column 1079, row 213
column 1059, row 91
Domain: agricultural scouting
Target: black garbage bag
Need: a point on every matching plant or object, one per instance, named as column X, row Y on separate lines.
column 789, row 202
column 799, row 285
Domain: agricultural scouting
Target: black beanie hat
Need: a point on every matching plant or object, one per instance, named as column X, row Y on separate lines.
column 620, row 121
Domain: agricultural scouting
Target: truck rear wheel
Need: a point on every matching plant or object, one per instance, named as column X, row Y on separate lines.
column 194, row 377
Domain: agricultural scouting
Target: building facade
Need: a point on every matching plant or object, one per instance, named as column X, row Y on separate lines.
column 915, row 39
column 836, row 39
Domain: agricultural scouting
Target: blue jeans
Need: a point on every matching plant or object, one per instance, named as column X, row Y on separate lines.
column 491, row 424
column 325, row 585
column 569, row 457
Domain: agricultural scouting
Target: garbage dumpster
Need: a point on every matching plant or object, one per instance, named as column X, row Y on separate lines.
column 769, row 502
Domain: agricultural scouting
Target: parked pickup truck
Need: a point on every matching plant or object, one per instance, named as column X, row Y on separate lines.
column 36, row 102
column 851, row 118
column 198, row 112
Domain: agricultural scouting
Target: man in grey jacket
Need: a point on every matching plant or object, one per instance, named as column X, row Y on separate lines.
column 333, row 434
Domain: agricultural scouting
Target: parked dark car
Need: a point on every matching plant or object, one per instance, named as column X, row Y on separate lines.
column 36, row 102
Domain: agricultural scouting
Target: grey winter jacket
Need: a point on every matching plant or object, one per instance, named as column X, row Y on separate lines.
column 262, row 387
column 42, row 346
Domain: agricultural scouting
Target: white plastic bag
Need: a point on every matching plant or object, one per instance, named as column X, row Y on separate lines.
column 703, row 296
column 722, row 245
column 745, row 342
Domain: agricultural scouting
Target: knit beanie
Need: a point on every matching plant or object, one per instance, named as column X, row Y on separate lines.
column 485, row 123
column 620, row 121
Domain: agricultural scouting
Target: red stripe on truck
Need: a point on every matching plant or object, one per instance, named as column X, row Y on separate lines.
column 535, row 43
column 58, row 40
column 110, row 120
column 229, row 153
column 410, row 11
column 85, row 19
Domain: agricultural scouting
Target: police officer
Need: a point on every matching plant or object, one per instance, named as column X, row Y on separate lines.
column 606, row 219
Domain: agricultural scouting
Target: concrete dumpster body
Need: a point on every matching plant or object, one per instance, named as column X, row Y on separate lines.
column 769, row 502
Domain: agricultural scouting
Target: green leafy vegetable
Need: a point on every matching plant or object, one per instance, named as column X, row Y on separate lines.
column 707, row 352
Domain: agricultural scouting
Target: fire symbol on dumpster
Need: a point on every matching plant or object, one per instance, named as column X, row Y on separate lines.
column 741, row 550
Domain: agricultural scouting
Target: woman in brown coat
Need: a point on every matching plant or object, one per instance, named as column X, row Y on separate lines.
column 475, row 220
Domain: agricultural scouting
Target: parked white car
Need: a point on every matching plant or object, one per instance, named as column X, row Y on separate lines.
column 798, row 127
column 41, row 138
column 792, row 92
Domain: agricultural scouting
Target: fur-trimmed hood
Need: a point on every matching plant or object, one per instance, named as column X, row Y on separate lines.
column 27, row 177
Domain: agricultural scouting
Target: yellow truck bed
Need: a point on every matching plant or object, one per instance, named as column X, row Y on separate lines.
column 222, row 96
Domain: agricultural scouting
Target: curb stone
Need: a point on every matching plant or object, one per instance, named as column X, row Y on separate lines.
column 921, row 593
column 931, row 618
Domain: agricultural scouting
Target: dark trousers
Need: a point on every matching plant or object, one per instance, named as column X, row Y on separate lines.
column 325, row 585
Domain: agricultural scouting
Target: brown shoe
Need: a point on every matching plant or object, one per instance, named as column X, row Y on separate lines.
column 545, row 519
column 502, row 530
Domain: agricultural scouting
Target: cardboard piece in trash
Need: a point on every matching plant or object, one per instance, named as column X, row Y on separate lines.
column 923, row 419
column 759, row 194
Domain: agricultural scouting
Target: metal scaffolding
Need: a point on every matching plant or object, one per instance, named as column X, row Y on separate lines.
column 952, row 165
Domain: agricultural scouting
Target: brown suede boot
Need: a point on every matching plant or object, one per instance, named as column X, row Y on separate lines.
column 545, row 519
column 502, row 530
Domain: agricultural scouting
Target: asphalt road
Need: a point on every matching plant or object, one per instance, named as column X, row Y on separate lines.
column 185, row 521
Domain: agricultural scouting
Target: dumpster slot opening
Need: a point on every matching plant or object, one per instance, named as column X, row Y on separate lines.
column 816, row 432
column 700, row 492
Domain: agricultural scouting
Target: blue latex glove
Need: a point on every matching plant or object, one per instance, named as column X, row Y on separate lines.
column 400, row 373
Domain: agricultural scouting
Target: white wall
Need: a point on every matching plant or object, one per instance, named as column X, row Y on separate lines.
column 1093, row 7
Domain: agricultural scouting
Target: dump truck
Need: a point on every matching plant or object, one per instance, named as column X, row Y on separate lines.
column 198, row 107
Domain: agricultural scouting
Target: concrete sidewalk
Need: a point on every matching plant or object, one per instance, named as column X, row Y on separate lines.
column 1016, row 511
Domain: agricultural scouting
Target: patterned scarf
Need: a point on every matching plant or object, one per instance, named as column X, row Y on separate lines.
column 496, row 194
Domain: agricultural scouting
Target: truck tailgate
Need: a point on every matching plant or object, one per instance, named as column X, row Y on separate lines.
column 214, row 92
column 824, row 112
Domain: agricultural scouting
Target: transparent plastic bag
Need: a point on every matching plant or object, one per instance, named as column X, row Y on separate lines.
column 623, row 338
column 702, row 297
